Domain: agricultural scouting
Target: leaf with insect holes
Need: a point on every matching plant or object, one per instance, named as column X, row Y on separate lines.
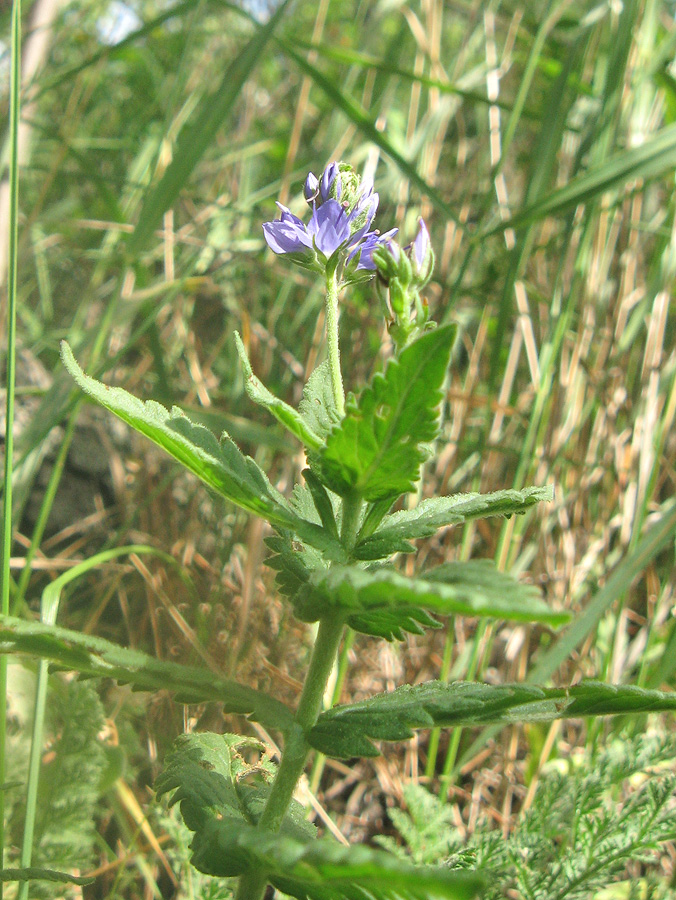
column 209, row 775
column 219, row 464
column 385, row 603
column 94, row 656
column 290, row 418
column 396, row 530
column 377, row 449
column 347, row 731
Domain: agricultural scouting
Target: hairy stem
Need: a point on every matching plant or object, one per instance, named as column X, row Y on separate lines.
column 332, row 342
column 296, row 749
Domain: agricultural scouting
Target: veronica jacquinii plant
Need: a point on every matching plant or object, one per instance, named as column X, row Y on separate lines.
column 333, row 546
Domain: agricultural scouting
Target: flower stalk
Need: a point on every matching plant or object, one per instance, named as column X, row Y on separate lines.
column 332, row 342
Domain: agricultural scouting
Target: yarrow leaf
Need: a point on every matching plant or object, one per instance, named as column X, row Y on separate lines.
column 396, row 530
column 290, row 418
column 376, row 450
column 385, row 603
column 347, row 731
column 94, row 656
column 219, row 464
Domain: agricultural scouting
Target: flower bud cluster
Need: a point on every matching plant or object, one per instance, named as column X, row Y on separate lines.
column 404, row 272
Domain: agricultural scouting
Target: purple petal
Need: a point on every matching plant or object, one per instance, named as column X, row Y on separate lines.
column 392, row 246
column 369, row 244
column 329, row 227
column 288, row 216
column 421, row 244
column 287, row 237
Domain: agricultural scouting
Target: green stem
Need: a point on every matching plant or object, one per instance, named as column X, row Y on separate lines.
column 296, row 749
column 332, row 343
column 343, row 662
column 45, row 509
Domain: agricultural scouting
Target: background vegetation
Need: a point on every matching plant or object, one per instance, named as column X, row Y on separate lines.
column 539, row 143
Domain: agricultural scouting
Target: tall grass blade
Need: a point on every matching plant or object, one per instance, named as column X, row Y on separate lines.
column 14, row 107
column 49, row 608
column 654, row 158
column 197, row 135
column 649, row 545
column 369, row 130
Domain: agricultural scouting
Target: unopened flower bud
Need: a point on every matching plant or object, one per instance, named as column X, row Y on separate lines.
column 330, row 183
column 311, row 188
column 421, row 255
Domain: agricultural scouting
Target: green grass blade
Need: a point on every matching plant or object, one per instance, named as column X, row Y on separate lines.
column 650, row 544
column 176, row 11
column 198, row 134
column 367, row 127
column 651, row 159
column 49, row 608
column 387, row 67
column 14, row 112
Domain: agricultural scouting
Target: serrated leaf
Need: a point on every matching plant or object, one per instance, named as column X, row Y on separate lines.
column 322, row 502
column 375, row 452
column 290, row 418
column 347, row 731
column 370, row 599
column 396, row 530
column 213, row 782
column 292, row 564
column 324, row 869
column 219, row 464
column 94, row 656
column 317, row 405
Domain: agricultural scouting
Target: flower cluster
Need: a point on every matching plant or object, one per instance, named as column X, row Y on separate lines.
column 337, row 235
column 405, row 272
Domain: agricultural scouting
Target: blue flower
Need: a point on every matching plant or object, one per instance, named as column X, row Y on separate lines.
column 343, row 209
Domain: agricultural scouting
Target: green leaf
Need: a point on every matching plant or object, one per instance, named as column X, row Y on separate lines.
column 322, row 502
column 213, row 781
column 94, row 656
column 219, row 464
column 396, row 530
column 317, row 405
column 35, row 874
column 287, row 415
column 376, row 450
column 198, row 134
column 324, row 869
column 347, row 731
column 383, row 602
